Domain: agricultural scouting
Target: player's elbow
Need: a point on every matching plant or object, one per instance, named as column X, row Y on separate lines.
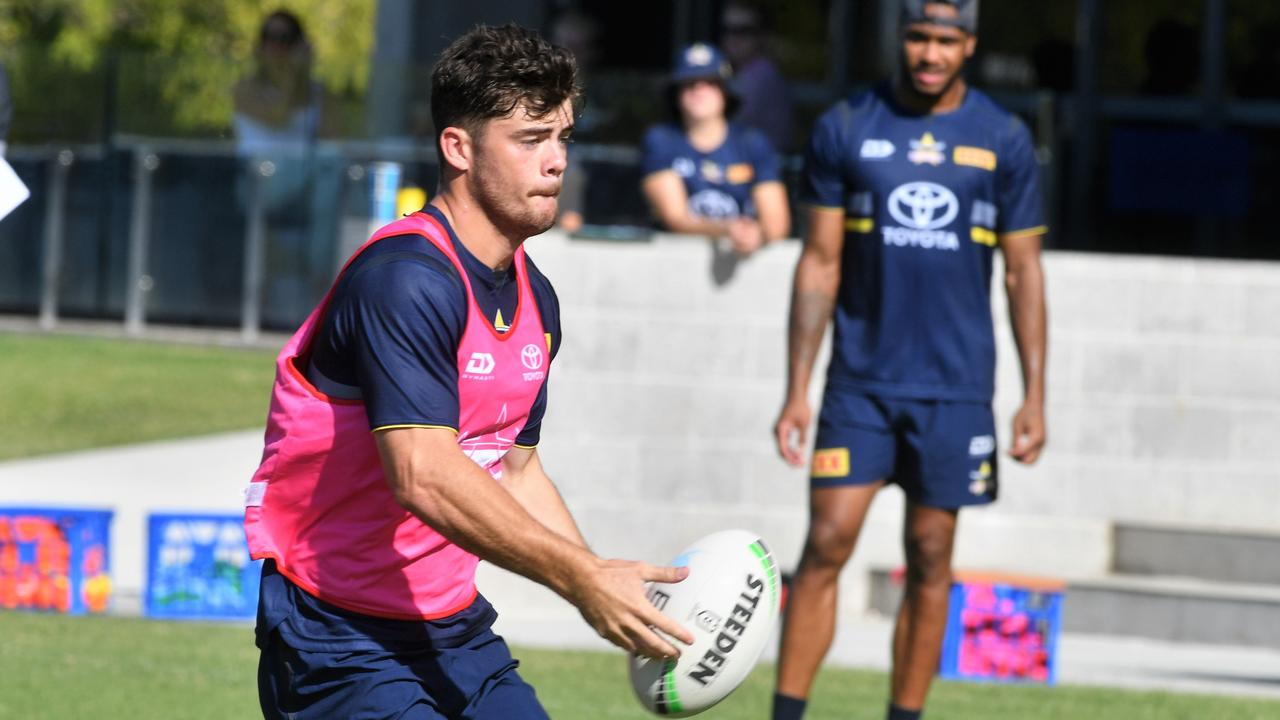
column 1011, row 281
column 1021, row 276
column 416, row 489
column 818, row 269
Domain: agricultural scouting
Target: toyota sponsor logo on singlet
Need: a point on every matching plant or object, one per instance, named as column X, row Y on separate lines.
column 531, row 357
column 924, row 208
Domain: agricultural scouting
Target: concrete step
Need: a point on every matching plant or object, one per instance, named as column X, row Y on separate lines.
column 1174, row 609
column 1235, row 557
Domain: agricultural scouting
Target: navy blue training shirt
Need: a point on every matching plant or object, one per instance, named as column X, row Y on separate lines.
column 926, row 199
column 719, row 183
column 393, row 326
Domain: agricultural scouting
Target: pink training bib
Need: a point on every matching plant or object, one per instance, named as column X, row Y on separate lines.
column 320, row 504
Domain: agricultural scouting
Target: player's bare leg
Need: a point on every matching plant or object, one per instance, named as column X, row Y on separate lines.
column 836, row 515
column 928, row 539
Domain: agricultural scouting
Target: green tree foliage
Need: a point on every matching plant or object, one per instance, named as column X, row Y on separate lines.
column 80, row 68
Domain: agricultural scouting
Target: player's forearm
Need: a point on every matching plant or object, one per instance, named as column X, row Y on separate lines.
column 812, row 300
column 1024, row 284
column 533, row 489
column 454, row 496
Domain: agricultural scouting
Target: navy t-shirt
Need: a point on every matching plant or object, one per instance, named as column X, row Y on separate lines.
column 390, row 336
column 391, row 333
column 926, row 199
column 719, row 183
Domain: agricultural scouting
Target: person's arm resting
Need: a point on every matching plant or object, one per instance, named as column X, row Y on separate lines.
column 771, row 210
column 669, row 202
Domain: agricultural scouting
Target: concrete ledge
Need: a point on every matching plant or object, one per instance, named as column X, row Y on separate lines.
column 1208, row 554
column 1178, row 610
column 1167, row 609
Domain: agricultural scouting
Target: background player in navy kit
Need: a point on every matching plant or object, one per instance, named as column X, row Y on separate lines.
column 389, row 339
column 705, row 175
column 912, row 185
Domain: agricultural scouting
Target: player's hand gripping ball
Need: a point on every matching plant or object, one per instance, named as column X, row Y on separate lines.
column 730, row 602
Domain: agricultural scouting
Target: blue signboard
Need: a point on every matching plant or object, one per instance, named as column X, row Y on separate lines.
column 198, row 566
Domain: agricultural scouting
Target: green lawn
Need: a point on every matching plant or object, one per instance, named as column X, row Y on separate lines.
column 61, row 393
column 104, row 668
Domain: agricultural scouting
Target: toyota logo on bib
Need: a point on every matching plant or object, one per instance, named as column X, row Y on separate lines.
column 531, row 356
column 923, row 205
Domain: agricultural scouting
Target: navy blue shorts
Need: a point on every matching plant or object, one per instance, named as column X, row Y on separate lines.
column 476, row 681
column 942, row 453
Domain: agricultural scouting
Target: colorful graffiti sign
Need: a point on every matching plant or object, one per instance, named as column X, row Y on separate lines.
column 1001, row 633
column 54, row 559
column 199, row 567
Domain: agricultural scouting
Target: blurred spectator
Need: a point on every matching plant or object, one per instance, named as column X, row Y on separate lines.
column 577, row 33
column 277, row 107
column 278, row 117
column 1172, row 52
column 765, row 96
column 704, row 175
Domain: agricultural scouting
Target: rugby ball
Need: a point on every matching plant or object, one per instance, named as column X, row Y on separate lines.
column 730, row 602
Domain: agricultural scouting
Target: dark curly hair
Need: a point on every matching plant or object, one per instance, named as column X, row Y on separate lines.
column 491, row 71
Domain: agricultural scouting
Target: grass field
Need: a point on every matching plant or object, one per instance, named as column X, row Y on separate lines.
column 102, row 668
column 61, row 393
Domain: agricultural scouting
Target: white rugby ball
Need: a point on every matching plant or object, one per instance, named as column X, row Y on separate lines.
column 730, row 603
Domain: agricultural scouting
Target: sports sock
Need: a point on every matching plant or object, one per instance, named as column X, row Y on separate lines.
column 786, row 707
column 897, row 713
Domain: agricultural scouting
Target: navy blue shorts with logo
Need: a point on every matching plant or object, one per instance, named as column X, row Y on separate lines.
column 476, row 681
column 942, row 453
column 321, row 662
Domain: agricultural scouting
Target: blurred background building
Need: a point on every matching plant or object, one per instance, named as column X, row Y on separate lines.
column 1156, row 122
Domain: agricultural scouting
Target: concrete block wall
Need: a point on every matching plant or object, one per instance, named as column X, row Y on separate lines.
column 1164, row 403
column 1164, row 395
column 1164, row 408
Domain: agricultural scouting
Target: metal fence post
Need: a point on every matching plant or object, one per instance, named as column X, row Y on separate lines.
column 54, row 217
column 254, row 245
column 139, row 283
